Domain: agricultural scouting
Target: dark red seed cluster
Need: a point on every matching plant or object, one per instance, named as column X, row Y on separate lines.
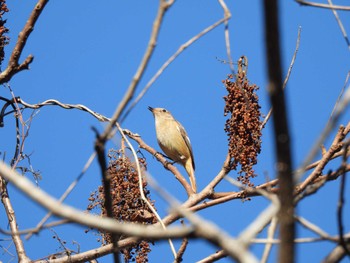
column 4, row 39
column 244, row 125
column 126, row 202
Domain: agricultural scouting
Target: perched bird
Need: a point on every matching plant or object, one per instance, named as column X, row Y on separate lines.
column 173, row 140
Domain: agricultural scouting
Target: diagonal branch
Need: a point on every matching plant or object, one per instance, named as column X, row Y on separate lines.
column 13, row 66
column 313, row 4
column 287, row 77
column 334, row 148
column 340, row 24
column 163, row 7
column 227, row 15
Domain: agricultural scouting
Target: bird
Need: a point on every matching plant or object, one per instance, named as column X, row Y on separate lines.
column 173, row 140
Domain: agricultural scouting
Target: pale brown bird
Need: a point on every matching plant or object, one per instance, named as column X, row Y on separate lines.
column 173, row 140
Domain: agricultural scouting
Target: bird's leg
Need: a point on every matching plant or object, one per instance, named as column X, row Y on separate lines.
column 162, row 154
column 166, row 162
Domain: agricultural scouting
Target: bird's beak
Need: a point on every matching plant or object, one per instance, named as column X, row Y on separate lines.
column 150, row 108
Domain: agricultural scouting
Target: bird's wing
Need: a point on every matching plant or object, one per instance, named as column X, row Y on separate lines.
column 187, row 141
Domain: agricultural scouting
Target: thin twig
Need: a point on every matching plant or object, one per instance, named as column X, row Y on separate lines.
column 91, row 254
column 37, row 229
column 345, row 35
column 52, row 102
column 213, row 257
column 270, row 234
column 314, row 228
column 338, row 7
column 227, row 15
column 18, row 135
column 182, row 249
column 25, row 131
column 336, row 255
column 341, row 201
column 64, row 196
column 62, row 243
column 340, row 96
column 300, row 240
column 287, row 77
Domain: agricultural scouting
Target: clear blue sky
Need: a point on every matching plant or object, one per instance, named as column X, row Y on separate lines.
column 86, row 52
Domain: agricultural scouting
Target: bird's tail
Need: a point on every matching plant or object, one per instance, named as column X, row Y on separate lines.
column 190, row 171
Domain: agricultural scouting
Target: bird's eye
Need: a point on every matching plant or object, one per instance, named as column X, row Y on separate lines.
column 164, row 110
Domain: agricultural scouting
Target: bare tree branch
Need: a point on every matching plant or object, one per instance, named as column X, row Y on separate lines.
column 335, row 13
column 37, row 229
column 227, row 15
column 270, row 234
column 10, row 213
column 181, row 251
column 13, row 65
column 313, row 4
column 336, row 255
column 90, row 254
column 314, row 228
column 335, row 147
column 2, row 115
column 213, row 257
column 301, row 240
column 52, row 102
